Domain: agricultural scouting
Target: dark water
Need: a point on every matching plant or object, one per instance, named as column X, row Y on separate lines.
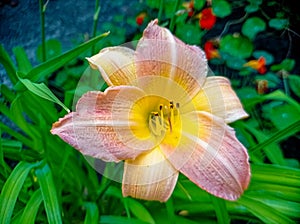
column 66, row 20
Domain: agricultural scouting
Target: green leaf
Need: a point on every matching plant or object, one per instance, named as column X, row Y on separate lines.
column 251, row 8
column 253, row 26
column 287, row 65
column 32, row 208
column 198, row 4
column 265, row 213
column 282, row 115
column 92, row 213
column 12, row 188
column 43, row 91
column 49, row 194
column 22, row 59
column 189, row 33
column 153, row 3
column 43, row 70
column 294, row 83
column 236, row 45
column 220, row 209
column 139, row 211
column 235, row 63
column 221, row 8
column 110, row 219
column 268, row 57
column 278, row 23
column 8, row 65
column 53, row 49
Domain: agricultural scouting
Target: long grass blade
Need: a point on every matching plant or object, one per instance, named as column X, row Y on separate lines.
column 49, row 194
column 12, row 188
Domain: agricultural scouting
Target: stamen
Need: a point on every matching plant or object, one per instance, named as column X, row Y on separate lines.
column 161, row 111
column 164, row 119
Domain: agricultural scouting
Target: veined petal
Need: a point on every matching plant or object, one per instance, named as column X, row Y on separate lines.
column 218, row 97
column 116, row 65
column 159, row 53
column 214, row 160
column 101, row 126
column 150, row 176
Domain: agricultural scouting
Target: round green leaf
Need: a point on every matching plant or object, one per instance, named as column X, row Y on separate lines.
column 268, row 57
column 198, row 4
column 278, row 24
column 221, row 8
column 235, row 63
column 189, row 33
column 253, row 26
column 251, row 8
column 236, row 45
column 287, row 65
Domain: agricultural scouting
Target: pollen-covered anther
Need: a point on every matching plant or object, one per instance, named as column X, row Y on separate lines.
column 165, row 119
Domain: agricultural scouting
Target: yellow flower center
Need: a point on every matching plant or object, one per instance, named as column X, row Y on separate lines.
column 157, row 119
column 164, row 119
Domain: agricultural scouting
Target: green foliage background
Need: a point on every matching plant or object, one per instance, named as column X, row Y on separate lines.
column 44, row 180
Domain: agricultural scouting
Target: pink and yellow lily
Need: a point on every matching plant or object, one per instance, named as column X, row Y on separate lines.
column 162, row 116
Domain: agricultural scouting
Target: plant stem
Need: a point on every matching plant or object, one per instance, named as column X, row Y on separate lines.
column 285, row 83
column 161, row 6
column 172, row 23
column 43, row 36
column 95, row 21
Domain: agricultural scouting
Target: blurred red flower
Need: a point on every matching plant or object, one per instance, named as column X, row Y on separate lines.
column 259, row 65
column 207, row 19
column 140, row 18
column 210, row 50
column 189, row 7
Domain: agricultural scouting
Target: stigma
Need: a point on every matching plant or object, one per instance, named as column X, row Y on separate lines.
column 164, row 119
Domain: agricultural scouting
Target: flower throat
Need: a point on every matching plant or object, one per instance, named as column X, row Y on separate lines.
column 164, row 119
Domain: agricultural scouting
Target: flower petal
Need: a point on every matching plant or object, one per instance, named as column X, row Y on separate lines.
column 101, row 126
column 217, row 97
column 116, row 65
column 159, row 53
column 214, row 160
column 150, row 176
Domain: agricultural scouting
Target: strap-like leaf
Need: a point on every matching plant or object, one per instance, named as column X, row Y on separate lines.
column 50, row 199
column 43, row 91
column 12, row 188
column 51, row 65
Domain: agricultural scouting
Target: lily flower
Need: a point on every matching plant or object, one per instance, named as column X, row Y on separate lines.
column 162, row 116
column 259, row 65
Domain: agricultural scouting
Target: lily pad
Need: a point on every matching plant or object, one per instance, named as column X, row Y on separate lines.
column 236, row 45
column 221, row 8
column 235, row 63
column 278, row 23
column 268, row 57
column 198, row 4
column 287, row 65
column 253, row 26
column 189, row 33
